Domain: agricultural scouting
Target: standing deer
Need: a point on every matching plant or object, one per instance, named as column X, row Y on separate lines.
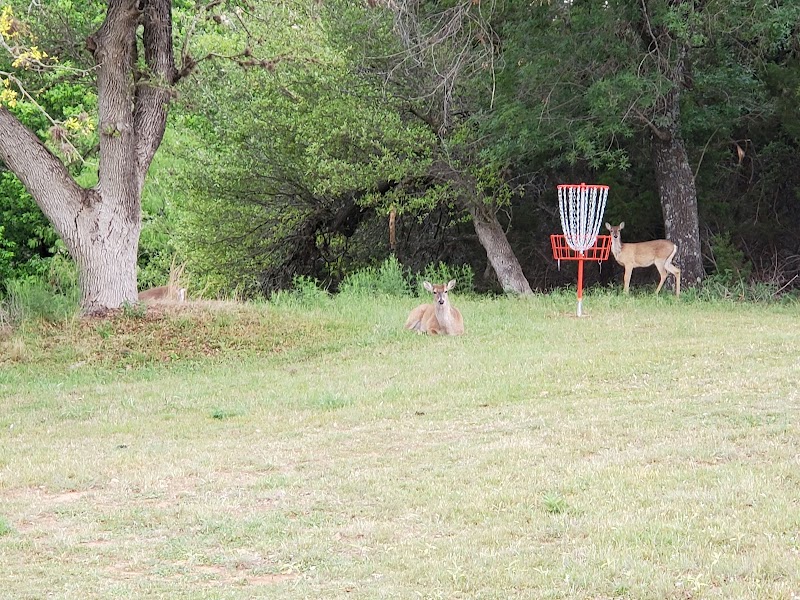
column 643, row 254
column 440, row 317
column 164, row 293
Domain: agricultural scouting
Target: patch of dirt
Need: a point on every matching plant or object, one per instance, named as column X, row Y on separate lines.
column 240, row 573
column 65, row 497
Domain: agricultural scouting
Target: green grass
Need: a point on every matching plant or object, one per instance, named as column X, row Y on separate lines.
column 647, row 450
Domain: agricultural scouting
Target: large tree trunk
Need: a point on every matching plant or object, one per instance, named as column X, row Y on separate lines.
column 99, row 233
column 101, row 226
column 105, row 248
column 674, row 177
column 498, row 250
column 678, row 195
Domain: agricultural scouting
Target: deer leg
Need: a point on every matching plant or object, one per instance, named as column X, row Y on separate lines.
column 628, row 272
column 417, row 319
column 662, row 271
column 677, row 273
column 432, row 326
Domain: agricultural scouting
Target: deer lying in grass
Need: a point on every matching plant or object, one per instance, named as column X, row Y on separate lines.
column 643, row 254
column 440, row 317
column 164, row 293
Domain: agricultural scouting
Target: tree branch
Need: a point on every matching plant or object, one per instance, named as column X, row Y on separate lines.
column 658, row 132
column 41, row 172
column 67, row 147
column 154, row 92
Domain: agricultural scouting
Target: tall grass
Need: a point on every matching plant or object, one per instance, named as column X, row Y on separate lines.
column 52, row 297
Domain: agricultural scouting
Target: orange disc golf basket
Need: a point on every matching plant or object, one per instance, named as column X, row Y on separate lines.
column 581, row 207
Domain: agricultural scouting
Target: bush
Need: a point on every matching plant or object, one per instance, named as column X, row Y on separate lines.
column 389, row 279
column 51, row 296
column 731, row 266
column 62, row 276
column 726, row 286
column 443, row 273
column 305, row 292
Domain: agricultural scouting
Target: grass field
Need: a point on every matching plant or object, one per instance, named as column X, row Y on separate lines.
column 648, row 450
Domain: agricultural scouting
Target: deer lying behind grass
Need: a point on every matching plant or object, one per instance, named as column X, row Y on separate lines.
column 164, row 293
column 643, row 254
column 440, row 317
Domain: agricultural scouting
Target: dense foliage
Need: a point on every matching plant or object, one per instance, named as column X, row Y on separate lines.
column 311, row 126
column 58, row 106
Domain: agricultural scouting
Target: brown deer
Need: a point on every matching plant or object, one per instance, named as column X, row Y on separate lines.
column 164, row 293
column 643, row 254
column 437, row 318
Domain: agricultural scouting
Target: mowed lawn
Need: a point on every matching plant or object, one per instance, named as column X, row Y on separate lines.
column 650, row 449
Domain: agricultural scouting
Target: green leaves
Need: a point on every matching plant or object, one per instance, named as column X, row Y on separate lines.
column 287, row 160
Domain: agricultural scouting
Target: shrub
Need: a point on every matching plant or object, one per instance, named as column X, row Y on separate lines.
column 389, row 279
column 442, row 273
column 305, row 292
column 725, row 286
column 63, row 276
column 731, row 265
column 33, row 299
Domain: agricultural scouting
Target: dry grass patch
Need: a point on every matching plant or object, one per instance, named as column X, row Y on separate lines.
column 160, row 334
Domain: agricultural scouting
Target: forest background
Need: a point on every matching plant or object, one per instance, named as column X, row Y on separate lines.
column 312, row 139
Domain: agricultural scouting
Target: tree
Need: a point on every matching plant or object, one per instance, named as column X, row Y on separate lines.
column 448, row 53
column 587, row 78
column 667, row 34
column 60, row 115
column 304, row 153
column 591, row 85
column 321, row 143
column 100, row 226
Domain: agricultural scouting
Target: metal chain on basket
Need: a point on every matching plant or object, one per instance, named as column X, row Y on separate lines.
column 581, row 208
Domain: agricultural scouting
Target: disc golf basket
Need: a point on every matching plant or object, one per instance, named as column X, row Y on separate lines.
column 581, row 207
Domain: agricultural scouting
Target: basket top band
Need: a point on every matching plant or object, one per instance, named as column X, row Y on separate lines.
column 592, row 186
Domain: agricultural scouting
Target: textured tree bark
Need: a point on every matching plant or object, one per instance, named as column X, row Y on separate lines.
column 678, row 195
column 106, row 249
column 498, row 250
column 674, row 177
column 490, row 233
column 101, row 226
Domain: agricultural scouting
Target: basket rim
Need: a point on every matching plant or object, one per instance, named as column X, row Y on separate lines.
column 597, row 186
column 599, row 251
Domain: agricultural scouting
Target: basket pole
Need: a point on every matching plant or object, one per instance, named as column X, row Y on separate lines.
column 581, row 209
column 580, row 284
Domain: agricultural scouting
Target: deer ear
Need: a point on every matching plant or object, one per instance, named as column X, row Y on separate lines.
column 450, row 285
column 427, row 285
column 608, row 226
column 622, row 225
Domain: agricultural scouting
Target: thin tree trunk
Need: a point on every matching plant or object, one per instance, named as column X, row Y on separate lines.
column 490, row 233
column 498, row 250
